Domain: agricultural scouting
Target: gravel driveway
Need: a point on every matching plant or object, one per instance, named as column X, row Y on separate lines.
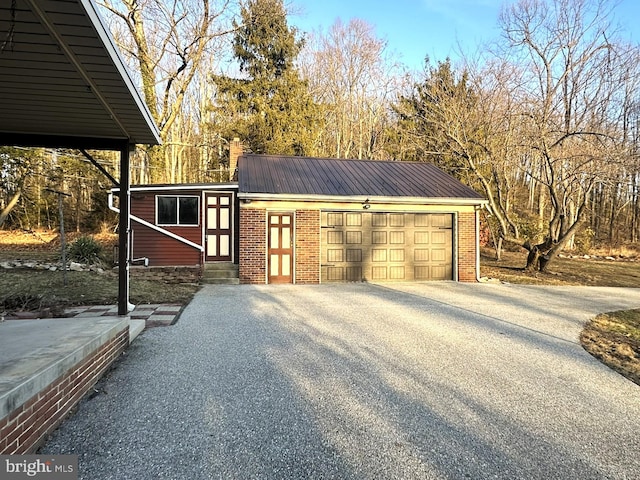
column 415, row 381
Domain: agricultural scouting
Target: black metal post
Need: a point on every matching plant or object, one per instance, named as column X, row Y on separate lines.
column 123, row 233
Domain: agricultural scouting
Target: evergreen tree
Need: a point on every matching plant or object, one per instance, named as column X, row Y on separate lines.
column 270, row 108
column 443, row 94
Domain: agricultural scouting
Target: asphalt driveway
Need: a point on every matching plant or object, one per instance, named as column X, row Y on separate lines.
column 416, row 381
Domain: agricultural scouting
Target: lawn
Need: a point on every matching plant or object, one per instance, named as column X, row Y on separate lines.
column 598, row 272
column 43, row 290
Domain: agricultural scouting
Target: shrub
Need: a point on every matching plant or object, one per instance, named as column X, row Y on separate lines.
column 85, row 249
column 583, row 241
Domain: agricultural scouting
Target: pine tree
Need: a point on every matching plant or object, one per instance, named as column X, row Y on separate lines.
column 270, row 108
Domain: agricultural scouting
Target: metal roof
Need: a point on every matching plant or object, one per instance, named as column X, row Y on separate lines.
column 303, row 176
column 62, row 80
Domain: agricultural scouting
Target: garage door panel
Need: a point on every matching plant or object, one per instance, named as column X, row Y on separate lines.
column 378, row 219
column 441, row 220
column 378, row 273
column 440, row 237
column 354, row 237
column 438, row 255
column 354, row 219
column 378, row 238
column 386, row 246
column 335, row 237
column 442, row 272
column 421, row 238
column 396, row 219
column 396, row 238
column 397, row 273
column 335, row 274
column 354, row 274
column 421, row 254
column 422, row 219
column 379, row 255
column 396, row 255
column 334, row 219
column 335, row 255
column 354, row 255
column 422, row 273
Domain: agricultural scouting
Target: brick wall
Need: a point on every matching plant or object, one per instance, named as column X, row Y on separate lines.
column 253, row 245
column 307, row 246
column 26, row 427
column 467, row 247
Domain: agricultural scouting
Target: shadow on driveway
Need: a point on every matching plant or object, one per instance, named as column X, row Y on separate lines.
column 365, row 381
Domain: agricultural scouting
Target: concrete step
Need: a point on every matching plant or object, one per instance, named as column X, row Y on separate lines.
column 211, row 267
column 135, row 328
column 220, row 273
column 220, row 281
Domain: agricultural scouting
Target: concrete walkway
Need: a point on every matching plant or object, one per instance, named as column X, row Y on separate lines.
column 432, row 380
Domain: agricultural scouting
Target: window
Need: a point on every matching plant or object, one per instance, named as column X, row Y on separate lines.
column 177, row 210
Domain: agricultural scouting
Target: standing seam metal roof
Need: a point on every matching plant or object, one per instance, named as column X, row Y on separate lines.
column 271, row 174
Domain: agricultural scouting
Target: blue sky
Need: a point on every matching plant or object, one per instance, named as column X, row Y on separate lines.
column 438, row 28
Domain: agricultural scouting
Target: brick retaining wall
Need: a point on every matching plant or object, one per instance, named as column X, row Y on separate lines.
column 168, row 274
column 27, row 426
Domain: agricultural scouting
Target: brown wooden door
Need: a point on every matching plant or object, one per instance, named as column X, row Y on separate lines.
column 218, row 226
column 280, row 251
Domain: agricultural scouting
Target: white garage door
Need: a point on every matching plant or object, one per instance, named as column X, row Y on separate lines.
column 372, row 246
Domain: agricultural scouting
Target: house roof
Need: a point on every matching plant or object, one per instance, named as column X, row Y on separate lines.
column 265, row 175
column 62, row 80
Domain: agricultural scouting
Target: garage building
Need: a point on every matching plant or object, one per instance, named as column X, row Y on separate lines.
column 313, row 220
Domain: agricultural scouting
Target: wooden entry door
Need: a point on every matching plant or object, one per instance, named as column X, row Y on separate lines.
column 218, row 228
column 280, row 251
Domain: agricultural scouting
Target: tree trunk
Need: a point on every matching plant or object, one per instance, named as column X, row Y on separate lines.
column 533, row 258
column 7, row 210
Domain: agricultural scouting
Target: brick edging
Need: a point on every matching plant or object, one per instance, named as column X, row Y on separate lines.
column 26, row 427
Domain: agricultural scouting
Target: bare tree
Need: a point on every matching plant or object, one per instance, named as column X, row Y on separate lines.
column 536, row 126
column 351, row 74
column 168, row 40
column 572, row 68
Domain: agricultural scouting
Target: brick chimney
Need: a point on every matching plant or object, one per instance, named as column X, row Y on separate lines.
column 235, row 151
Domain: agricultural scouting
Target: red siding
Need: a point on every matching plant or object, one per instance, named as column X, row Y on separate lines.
column 161, row 249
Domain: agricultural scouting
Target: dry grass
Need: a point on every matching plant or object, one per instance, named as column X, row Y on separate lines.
column 42, row 290
column 614, row 339
column 562, row 271
column 37, row 290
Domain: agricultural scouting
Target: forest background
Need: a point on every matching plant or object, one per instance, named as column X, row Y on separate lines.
column 543, row 121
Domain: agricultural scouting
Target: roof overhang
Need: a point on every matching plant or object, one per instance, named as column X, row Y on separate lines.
column 361, row 199
column 63, row 82
column 182, row 186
